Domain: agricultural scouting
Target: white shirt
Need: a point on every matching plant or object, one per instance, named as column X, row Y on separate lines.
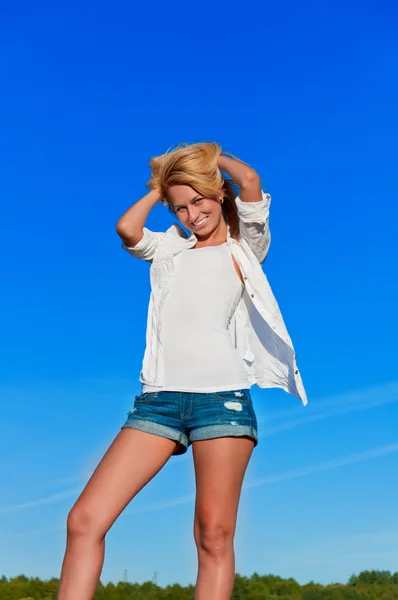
column 257, row 328
column 199, row 355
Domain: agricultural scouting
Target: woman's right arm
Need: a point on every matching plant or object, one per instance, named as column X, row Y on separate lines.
column 131, row 224
column 137, row 239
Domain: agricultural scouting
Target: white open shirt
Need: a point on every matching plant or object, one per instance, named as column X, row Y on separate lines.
column 257, row 328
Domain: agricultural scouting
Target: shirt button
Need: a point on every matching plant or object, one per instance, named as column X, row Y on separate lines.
column 252, row 295
column 296, row 372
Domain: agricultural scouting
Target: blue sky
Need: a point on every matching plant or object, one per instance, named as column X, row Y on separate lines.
column 306, row 93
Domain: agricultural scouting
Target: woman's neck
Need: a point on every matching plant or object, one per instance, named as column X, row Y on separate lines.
column 215, row 238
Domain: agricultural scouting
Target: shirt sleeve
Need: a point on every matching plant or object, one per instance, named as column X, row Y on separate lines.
column 254, row 224
column 147, row 246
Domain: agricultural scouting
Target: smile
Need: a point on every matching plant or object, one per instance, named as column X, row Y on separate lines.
column 200, row 223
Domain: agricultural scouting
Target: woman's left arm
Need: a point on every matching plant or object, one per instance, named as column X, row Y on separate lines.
column 244, row 176
column 252, row 205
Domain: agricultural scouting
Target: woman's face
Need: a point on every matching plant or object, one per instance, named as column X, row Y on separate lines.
column 198, row 214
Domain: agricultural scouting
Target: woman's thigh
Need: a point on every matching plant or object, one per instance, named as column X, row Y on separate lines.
column 220, row 466
column 131, row 461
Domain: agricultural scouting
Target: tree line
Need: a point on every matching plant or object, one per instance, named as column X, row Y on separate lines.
column 368, row 585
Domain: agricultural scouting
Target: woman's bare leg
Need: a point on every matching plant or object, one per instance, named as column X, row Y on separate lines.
column 220, row 465
column 129, row 464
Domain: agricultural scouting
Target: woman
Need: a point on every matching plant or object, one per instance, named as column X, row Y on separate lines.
column 214, row 329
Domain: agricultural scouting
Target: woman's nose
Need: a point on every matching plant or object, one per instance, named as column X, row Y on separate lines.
column 193, row 215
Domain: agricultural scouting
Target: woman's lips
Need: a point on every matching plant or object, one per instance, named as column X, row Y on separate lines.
column 200, row 223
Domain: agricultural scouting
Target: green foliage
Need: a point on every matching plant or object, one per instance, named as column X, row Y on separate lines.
column 368, row 585
column 380, row 577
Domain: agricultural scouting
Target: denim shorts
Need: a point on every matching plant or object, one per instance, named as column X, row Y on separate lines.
column 187, row 417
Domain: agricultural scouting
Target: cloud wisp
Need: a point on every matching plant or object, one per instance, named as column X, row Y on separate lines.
column 309, row 470
column 180, row 500
column 283, row 420
column 40, row 501
column 340, row 404
column 325, row 466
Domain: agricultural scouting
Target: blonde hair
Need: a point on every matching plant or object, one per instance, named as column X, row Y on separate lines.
column 196, row 165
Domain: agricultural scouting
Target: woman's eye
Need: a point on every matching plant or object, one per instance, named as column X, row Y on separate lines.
column 197, row 200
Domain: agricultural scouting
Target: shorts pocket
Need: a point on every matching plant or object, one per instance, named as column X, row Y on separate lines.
column 242, row 396
column 146, row 397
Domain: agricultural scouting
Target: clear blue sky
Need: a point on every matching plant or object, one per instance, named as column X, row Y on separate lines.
column 307, row 94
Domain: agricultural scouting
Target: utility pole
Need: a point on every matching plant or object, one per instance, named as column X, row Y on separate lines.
column 155, row 578
column 125, row 576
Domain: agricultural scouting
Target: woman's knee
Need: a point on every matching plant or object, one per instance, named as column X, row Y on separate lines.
column 214, row 539
column 82, row 522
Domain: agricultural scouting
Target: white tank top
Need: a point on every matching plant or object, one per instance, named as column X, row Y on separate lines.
column 198, row 352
